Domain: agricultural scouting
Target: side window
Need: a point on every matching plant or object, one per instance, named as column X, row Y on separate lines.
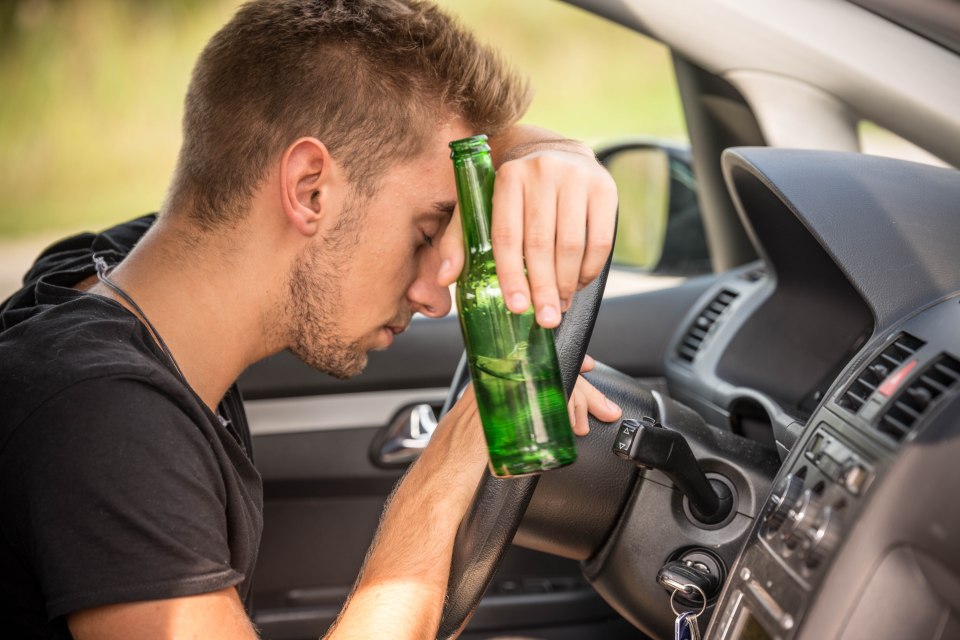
column 599, row 82
column 592, row 79
column 877, row 141
column 94, row 92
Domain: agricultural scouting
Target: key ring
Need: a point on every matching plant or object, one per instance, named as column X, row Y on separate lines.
column 686, row 588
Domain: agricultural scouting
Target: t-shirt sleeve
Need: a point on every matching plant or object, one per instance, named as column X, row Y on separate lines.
column 122, row 498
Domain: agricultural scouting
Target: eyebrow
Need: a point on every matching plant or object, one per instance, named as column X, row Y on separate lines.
column 440, row 209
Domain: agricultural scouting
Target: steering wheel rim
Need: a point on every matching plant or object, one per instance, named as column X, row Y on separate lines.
column 499, row 504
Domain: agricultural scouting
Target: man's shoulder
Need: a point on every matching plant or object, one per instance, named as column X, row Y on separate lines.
column 84, row 342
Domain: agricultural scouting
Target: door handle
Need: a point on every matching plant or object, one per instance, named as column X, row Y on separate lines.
column 407, row 435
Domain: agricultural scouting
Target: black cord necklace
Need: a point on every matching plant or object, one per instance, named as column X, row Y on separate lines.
column 102, row 270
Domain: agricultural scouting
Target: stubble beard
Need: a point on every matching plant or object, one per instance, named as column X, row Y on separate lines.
column 315, row 335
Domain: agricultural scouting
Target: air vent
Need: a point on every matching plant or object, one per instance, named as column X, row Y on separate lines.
column 899, row 351
column 693, row 338
column 940, row 377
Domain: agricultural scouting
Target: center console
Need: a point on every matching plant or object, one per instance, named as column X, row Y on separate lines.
column 842, row 468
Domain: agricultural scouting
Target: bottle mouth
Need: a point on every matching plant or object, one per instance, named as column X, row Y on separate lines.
column 473, row 144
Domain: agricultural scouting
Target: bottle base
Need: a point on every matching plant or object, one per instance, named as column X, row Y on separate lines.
column 527, row 465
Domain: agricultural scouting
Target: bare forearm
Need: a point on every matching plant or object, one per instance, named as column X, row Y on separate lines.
column 521, row 140
column 401, row 590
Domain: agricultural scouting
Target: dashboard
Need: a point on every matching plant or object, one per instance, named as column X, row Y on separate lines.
column 854, row 483
column 829, row 376
column 845, row 343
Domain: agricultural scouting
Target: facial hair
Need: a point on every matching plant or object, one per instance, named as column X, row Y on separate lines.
column 315, row 335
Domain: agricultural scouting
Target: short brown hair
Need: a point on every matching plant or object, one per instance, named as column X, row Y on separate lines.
column 369, row 78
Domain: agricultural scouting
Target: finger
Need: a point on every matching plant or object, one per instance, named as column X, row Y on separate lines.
column 506, row 233
column 598, row 405
column 588, row 363
column 539, row 243
column 571, row 240
column 581, row 425
column 451, row 252
column 601, row 215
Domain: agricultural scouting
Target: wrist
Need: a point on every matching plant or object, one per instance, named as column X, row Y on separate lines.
column 550, row 144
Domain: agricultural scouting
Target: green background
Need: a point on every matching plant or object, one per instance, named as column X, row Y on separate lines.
column 91, row 94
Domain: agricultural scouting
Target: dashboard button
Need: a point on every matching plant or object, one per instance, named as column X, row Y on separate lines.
column 784, row 498
column 625, row 435
column 800, row 519
column 823, row 537
column 855, row 476
column 830, row 468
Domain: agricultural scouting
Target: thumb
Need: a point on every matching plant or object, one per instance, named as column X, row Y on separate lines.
column 451, row 252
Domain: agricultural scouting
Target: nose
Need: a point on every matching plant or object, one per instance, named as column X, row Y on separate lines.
column 425, row 295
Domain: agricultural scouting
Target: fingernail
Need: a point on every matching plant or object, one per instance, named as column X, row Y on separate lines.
column 612, row 406
column 548, row 314
column 518, row 302
column 564, row 305
column 444, row 267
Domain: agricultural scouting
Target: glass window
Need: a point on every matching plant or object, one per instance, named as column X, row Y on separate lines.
column 593, row 79
column 877, row 141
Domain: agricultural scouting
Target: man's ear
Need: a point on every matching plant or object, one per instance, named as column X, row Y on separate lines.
column 304, row 181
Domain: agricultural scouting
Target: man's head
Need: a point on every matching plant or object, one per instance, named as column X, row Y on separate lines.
column 357, row 285
column 333, row 116
column 371, row 79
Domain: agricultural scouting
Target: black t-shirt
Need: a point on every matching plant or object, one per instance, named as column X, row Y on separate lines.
column 117, row 484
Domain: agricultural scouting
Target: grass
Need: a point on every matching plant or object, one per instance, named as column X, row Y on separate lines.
column 92, row 95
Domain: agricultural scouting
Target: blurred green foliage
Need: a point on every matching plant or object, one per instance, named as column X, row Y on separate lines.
column 91, row 94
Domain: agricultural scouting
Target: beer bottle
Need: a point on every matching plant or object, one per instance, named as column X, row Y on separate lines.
column 512, row 359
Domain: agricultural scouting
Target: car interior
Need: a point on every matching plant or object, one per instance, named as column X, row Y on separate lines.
column 785, row 465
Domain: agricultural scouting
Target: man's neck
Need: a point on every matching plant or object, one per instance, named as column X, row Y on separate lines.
column 217, row 309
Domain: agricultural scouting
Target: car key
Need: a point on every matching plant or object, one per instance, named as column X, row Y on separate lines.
column 680, row 574
column 681, row 628
column 685, row 626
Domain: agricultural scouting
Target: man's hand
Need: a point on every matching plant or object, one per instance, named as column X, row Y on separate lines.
column 587, row 400
column 554, row 208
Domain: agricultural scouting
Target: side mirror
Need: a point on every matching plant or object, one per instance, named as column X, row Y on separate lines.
column 660, row 230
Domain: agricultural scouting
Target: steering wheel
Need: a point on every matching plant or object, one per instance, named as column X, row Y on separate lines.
column 499, row 504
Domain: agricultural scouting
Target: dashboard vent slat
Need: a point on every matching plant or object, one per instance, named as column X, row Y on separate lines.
column 858, row 398
column 700, row 328
column 933, row 384
column 946, row 368
column 863, row 386
column 909, row 406
column 896, row 362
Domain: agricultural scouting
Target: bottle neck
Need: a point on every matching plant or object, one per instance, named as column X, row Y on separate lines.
column 474, row 176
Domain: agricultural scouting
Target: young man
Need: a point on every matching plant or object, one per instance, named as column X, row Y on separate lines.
column 310, row 210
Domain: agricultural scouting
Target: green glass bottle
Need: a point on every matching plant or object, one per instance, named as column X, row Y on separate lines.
column 512, row 359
